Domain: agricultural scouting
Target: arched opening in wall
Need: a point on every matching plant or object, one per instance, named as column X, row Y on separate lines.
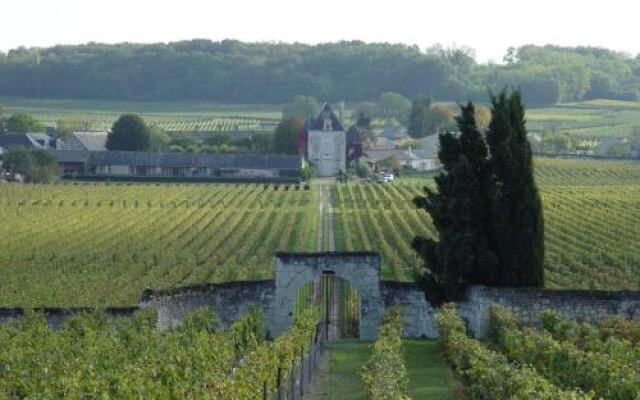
column 338, row 302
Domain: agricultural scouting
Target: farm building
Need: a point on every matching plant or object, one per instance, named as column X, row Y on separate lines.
column 31, row 141
column 87, row 141
column 419, row 160
column 193, row 165
column 394, row 133
column 382, row 143
column 71, row 162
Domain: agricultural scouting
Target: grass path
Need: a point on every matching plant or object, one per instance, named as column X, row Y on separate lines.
column 339, row 379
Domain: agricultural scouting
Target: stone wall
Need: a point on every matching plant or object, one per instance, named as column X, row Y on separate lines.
column 55, row 316
column 418, row 313
column 229, row 300
column 527, row 304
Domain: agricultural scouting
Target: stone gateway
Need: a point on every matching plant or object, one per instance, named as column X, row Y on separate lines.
column 360, row 269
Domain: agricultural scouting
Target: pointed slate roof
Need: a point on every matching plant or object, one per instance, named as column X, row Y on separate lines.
column 317, row 123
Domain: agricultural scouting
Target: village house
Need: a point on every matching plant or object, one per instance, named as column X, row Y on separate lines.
column 418, row 160
column 30, row 141
column 87, row 141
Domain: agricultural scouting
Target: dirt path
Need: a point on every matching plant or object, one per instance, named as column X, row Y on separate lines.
column 326, row 233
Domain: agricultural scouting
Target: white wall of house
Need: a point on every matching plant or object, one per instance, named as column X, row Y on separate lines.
column 327, row 152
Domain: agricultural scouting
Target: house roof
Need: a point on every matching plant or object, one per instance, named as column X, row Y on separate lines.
column 70, row 156
column 394, row 132
column 18, row 139
column 92, row 141
column 430, row 144
column 382, row 143
column 317, row 123
column 401, row 155
column 201, row 160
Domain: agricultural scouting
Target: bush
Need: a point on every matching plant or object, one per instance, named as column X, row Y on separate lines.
column 363, row 170
column 563, row 363
column 384, row 375
column 488, row 375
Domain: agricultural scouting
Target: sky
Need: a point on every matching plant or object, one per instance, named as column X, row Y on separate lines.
column 490, row 27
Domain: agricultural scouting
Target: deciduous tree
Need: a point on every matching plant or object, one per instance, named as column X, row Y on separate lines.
column 285, row 140
column 23, row 123
column 129, row 133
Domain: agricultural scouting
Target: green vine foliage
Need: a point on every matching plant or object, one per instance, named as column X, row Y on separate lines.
column 384, row 375
column 92, row 356
column 260, row 367
column 489, row 375
column 609, row 375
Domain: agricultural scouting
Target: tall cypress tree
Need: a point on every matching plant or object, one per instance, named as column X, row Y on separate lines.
column 518, row 226
column 461, row 213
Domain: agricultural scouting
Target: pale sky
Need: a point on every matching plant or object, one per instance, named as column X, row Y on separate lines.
column 487, row 26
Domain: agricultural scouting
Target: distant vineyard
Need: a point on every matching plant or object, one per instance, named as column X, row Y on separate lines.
column 592, row 220
column 598, row 118
column 102, row 244
column 230, row 124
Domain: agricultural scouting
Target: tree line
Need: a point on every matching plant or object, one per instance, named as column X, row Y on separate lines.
column 236, row 72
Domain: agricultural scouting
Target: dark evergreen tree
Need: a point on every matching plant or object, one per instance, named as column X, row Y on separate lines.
column 129, row 133
column 486, row 209
column 418, row 125
column 363, row 121
column 461, row 213
column 518, row 225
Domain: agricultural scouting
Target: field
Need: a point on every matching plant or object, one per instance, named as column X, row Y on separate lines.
column 589, row 119
column 592, row 216
column 102, row 244
column 178, row 117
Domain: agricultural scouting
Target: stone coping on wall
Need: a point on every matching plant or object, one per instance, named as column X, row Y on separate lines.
column 567, row 294
column 148, row 294
column 325, row 254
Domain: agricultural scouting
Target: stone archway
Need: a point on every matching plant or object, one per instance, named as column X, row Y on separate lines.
column 360, row 269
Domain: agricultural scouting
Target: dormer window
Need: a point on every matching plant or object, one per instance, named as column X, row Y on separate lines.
column 328, row 125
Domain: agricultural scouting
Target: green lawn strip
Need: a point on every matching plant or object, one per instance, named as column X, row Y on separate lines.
column 429, row 377
column 341, row 379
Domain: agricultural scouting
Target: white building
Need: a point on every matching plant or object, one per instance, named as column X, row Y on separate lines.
column 326, row 144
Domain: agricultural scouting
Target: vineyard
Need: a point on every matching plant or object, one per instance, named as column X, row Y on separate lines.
column 92, row 357
column 589, row 119
column 182, row 117
column 592, row 221
column 103, row 244
column 220, row 124
column 564, row 360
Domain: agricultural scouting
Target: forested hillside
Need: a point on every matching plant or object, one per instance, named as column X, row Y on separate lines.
column 237, row 72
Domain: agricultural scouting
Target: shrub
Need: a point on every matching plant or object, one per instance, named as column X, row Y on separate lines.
column 488, row 375
column 384, row 375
